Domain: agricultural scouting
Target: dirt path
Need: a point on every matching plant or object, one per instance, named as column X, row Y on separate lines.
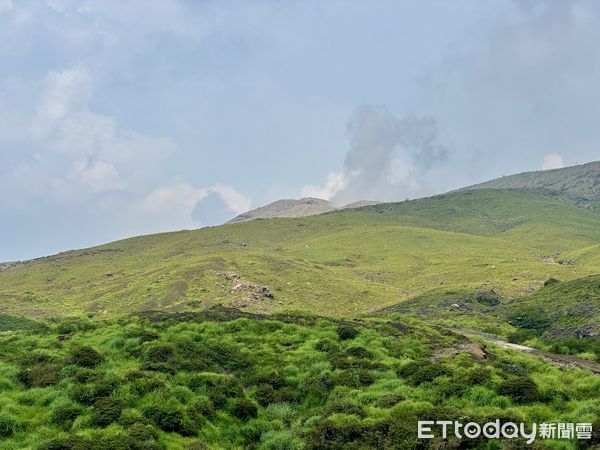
column 555, row 358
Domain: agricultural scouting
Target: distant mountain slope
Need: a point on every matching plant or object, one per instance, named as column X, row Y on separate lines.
column 287, row 208
column 580, row 184
column 346, row 262
column 303, row 207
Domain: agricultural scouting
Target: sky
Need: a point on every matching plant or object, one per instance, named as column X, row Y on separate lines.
column 126, row 118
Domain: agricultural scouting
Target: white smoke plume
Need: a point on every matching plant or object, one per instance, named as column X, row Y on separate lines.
column 387, row 156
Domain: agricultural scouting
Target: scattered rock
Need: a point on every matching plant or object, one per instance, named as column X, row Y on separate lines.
column 457, row 305
column 566, row 262
column 251, row 292
column 586, row 331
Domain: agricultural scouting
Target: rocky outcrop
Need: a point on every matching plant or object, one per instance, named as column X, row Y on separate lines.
column 250, row 292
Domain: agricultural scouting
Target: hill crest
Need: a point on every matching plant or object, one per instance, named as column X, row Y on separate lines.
column 292, row 208
column 579, row 184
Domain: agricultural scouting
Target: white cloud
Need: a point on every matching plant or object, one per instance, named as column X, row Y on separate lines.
column 64, row 91
column 336, row 182
column 178, row 200
column 84, row 151
column 552, row 161
column 176, row 203
column 236, row 201
column 74, row 157
column 98, row 176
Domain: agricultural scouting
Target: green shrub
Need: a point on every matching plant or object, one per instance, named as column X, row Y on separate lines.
column 280, row 440
column 344, row 406
column 521, row 335
column 573, row 346
column 244, row 409
column 344, row 361
column 8, row 425
column 551, row 282
column 88, row 376
column 142, row 433
column 230, row 357
column 287, row 394
column 221, row 389
column 401, row 432
column 315, row 389
column 521, row 390
column 251, row 432
column 327, row 346
column 422, row 371
column 200, row 408
column 337, row 432
column 68, row 442
column 347, row 332
column 355, row 378
column 359, row 352
column 196, row 445
column 488, row 299
column 530, row 320
column 269, row 376
column 264, row 394
column 71, row 326
column 64, row 413
column 511, row 367
column 159, row 353
column 85, row 357
column 477, row 376
column 159, row 367
column 169, row 415
column 146, row 384
column 87, row 394
column 389, row 400
column 143, row 335
column 106, row 411
column 40, row 374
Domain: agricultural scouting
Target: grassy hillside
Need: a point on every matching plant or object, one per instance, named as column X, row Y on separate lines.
column 342, row 263
column 579, row 184
column 228, row 380
column 155, row 363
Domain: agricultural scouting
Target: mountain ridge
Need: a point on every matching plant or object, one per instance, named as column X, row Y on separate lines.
column 294, row 208
column 579, row 184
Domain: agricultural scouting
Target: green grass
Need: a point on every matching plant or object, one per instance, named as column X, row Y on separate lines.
column 223, row 379
column 123, row 346
column 338, row 264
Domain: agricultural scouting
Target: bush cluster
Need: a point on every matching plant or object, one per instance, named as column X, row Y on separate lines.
column 172, row 381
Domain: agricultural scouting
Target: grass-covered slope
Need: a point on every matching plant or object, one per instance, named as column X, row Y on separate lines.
column 229, row 380
column 342, row 263
column 579, row 184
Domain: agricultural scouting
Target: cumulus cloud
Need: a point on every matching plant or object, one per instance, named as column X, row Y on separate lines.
column 98, row 176
column 74, row 157
column 552, row 161
column 181, row 203
column 385, row 159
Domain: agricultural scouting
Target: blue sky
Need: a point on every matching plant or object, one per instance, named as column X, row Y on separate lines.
column 123, row 118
